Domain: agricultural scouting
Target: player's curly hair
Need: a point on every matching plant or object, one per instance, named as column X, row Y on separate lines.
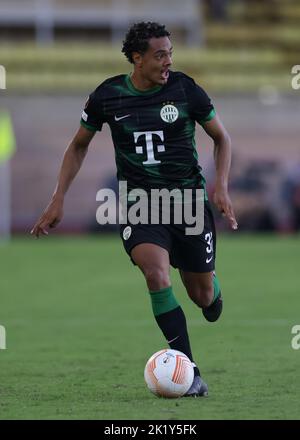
column 138, row 36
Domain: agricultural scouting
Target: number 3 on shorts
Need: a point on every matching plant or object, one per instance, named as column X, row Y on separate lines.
column 209, row 239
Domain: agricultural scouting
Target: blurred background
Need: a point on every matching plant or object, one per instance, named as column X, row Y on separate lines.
column 79, row 326
column 55, row 52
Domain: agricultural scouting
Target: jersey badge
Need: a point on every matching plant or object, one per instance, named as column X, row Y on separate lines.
column 169, row 113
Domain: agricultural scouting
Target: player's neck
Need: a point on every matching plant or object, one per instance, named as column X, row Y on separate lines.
column 141, row 83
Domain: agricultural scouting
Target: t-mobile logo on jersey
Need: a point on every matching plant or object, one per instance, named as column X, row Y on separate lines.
column 2, row 77
column 149, row 145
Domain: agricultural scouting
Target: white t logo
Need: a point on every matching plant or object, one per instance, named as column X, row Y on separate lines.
column 149, row 145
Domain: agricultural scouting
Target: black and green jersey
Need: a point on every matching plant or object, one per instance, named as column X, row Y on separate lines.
column 153, row 131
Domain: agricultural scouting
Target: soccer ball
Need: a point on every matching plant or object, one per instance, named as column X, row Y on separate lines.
column 169, row 373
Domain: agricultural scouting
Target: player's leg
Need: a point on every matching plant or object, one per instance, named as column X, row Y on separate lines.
column 153, row 261
column 204, row 290
column 194, row 256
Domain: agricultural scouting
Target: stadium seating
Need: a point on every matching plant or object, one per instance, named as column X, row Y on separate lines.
column 47, row 15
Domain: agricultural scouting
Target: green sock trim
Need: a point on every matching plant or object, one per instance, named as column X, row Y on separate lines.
column 163, row 301
column 216, row 287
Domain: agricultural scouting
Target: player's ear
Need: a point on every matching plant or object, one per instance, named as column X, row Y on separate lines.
column 137, row 59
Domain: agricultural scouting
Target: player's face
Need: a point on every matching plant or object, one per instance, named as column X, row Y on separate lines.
column 156, row 62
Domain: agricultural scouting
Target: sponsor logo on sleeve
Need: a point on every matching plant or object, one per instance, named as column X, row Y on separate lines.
column 84, row 116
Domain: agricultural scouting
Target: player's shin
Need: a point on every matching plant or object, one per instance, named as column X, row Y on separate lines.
column 214, row 311
column 217, row 289
column 171, row 320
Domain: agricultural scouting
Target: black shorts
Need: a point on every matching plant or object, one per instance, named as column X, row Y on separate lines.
column 190, row 253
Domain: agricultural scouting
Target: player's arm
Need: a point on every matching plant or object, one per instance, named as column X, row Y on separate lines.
column 222, row 154
column 72, row 161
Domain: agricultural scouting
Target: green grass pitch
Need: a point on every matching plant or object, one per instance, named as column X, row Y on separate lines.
column 79, row 330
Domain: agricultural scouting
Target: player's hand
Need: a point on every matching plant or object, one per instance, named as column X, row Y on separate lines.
column 49, row 219
column 223, row 203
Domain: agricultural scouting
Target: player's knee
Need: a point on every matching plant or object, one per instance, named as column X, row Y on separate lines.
column 157, row 278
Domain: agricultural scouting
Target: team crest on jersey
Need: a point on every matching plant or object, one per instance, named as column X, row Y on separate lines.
column 127, row 232
column 169, row 113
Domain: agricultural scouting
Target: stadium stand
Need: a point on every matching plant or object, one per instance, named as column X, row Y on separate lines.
column 46, row 16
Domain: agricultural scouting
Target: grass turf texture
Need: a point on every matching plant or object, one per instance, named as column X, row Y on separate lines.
column 80, row 330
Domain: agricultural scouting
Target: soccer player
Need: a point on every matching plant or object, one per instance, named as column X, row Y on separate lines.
column 152, row 114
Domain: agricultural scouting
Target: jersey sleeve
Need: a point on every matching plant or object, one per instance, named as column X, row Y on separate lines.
column 202, row 110
column 92, row 116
